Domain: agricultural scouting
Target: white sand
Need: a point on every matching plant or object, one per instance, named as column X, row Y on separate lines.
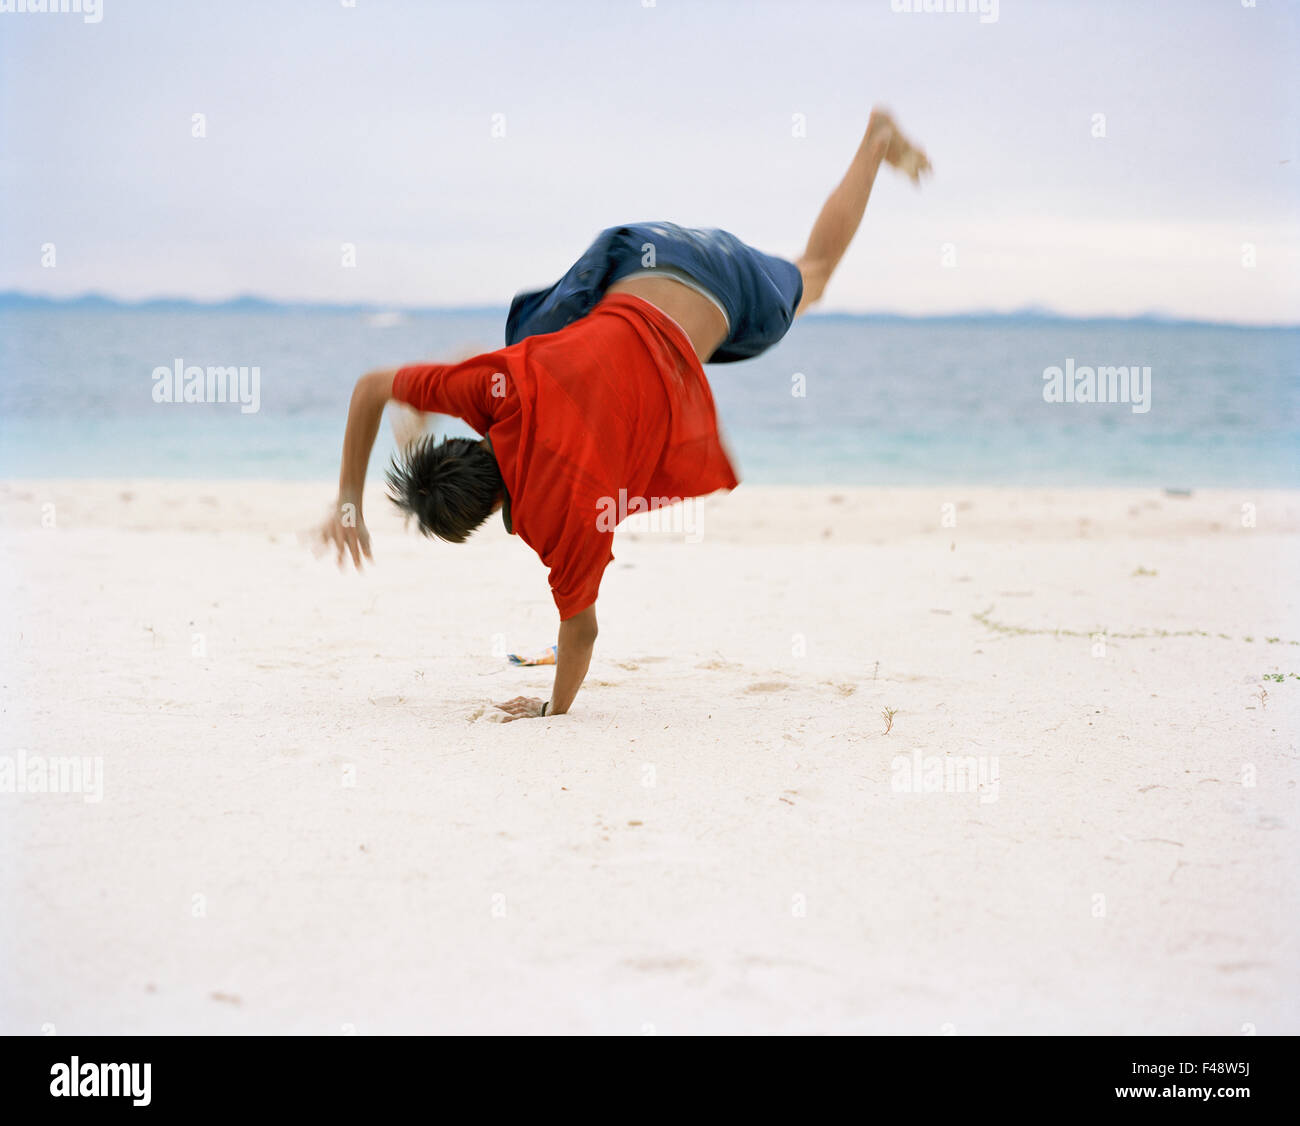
column 713, row 840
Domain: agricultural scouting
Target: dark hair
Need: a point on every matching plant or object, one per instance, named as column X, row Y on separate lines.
column 450, row 487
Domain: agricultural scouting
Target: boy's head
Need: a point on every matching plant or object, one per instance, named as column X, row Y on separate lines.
column 450, row 487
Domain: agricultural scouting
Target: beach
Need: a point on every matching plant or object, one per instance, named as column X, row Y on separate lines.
column 967, row 760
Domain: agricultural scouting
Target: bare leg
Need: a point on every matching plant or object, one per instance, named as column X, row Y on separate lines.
column 842, row 212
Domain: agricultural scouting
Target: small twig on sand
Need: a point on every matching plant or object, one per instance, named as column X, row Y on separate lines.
column 888, row 716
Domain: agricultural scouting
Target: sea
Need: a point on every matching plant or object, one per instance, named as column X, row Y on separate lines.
column 844, row 400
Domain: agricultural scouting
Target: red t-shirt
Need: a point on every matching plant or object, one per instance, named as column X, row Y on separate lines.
column 584, row 422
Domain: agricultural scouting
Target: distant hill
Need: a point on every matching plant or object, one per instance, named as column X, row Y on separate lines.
column 1038, row 314
column 249, row 303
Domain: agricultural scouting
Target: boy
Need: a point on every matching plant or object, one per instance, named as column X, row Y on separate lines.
column 599, row 394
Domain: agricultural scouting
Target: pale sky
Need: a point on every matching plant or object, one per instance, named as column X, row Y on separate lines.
column 373, row 125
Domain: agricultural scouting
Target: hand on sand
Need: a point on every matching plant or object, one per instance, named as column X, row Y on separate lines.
column 344, row 529
column 521, row 707
column 900, row 153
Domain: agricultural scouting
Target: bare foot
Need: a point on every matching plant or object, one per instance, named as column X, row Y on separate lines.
column 899, row 153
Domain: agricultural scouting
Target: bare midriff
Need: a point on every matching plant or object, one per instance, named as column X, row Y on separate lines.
column 699, row 317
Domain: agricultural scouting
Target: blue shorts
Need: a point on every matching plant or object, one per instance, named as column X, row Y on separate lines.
column 758, row 292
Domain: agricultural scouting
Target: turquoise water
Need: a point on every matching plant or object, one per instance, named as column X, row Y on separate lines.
column 887, row 402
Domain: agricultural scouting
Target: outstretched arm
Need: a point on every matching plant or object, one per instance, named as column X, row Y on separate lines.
column 572, row 659
column 841, row 215
column 345, row 529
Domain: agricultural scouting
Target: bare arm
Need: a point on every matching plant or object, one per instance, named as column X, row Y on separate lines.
column 573, row 651
column 369, row 398
column 345, row 528
column 572, row 659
